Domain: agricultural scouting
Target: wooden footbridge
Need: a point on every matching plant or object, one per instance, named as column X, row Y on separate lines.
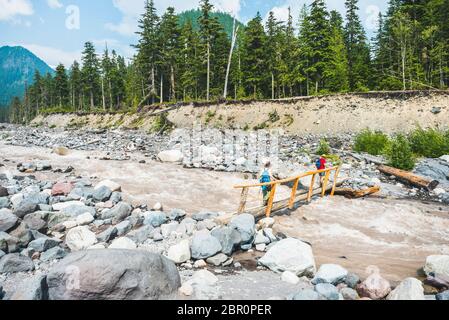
column 295, row 197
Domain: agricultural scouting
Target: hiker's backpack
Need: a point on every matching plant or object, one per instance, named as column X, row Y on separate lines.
column 318, row 164
column 265, row 178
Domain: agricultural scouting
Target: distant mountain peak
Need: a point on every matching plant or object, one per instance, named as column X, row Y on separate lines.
column 17, row 68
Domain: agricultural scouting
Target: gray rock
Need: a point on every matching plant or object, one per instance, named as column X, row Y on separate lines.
column 200, row 216
column 307, row 295
column 23, row 234
column 8, row 220
column 28, row 205
column 34, row 288
column 443, row 295
column 204, row 246
column 118, row 213
column 436, row 169
column 44, row 244
column 56, row 218
column 15, row 262
column 107, row 235
column 103, row 193
column 176, row 214
column 352, row 280
column 245, row 224
column 4, row 202
column 155, row 219
column 229, row 239
column 141, row 235
column 8, row 243
column 3, row 192
column 55, row 253
column 2, row 253
column 330, row 273
column 349, row 294
column 328, row 291
column 75, row 210
column 409, row 289
column 116, row 197
column 2, row 293
column 34, row 221
column 113, row 275
column 218, row 259
column 123, row 227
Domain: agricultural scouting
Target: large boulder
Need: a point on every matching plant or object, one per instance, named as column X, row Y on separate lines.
column 438, row 266
column 374, row 287
column 35, row 221
column 204, row 245
column 53, row 254
column 245, row 224
column 34, row 288
column 8, row 220
column 229, row 239
column 180, row 252
column 290, row 255
column 80, row 238
column 409, row 289
column 141, row 235
column 330, row 273
column 113, row 275
column 174, row 156
column 15, row 262
column 3, row 192
column 29, row 204
column 328, row 291
column 121, row 211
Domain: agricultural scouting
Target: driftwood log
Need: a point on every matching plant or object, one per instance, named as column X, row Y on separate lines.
column 409, row 177
column 354, row 194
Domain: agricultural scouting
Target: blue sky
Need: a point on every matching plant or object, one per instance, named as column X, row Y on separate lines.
column 56, row 30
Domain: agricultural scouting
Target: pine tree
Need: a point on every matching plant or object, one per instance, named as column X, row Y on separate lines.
column 273, row 52
column 148, row 56
column 61, row 85
column 189, row 62
column 337, row 68
column 255, row 63
column 75, row 86
column 91, row 74
column 358, row 49
column 318, row 41
column 170, row 48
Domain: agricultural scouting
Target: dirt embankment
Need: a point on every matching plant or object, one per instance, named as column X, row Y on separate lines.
column 389, row 112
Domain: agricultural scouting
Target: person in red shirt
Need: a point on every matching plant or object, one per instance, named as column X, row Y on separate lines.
column 321, row 165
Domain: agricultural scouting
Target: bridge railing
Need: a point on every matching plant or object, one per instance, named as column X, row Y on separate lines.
column 324, row 186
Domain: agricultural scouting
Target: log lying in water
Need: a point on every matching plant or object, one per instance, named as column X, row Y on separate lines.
column 410, row 178
column 351, row 193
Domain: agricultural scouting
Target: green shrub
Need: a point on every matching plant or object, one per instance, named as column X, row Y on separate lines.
column 371, row 142
column 209, row 116
column 323, row 148
column 161, row 124
column 274, row 116
column 399, row 154
column 430, row 143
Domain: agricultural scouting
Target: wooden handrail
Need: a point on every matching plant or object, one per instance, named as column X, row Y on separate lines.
column 287, row 180
column 296, row 179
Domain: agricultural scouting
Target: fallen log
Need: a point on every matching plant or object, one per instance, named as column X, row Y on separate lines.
column 409, row 177
column 355, row 194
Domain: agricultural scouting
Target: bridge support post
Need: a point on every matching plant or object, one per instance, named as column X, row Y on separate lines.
column 291, row 204
column 270, row 201
column 243, row 199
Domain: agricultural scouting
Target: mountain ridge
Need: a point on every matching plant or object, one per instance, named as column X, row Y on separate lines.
column 17, row 68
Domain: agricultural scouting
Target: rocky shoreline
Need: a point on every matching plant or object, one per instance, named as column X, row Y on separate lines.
column 68, row 231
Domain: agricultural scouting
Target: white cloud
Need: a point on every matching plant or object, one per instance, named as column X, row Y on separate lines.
column 133, row 9
column 52, row 56
column 9, row 9
column 54, row 4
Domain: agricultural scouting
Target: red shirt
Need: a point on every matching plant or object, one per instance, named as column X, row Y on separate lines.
column 322, row 164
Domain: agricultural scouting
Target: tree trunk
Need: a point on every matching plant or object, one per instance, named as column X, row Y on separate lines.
column 172, row 80
column 272, row 85
column 234, row 37
column 102, row 94
column 208, row 71
column 92, row 104
column 162, row 89
column 110, row 95
column 153, row 85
